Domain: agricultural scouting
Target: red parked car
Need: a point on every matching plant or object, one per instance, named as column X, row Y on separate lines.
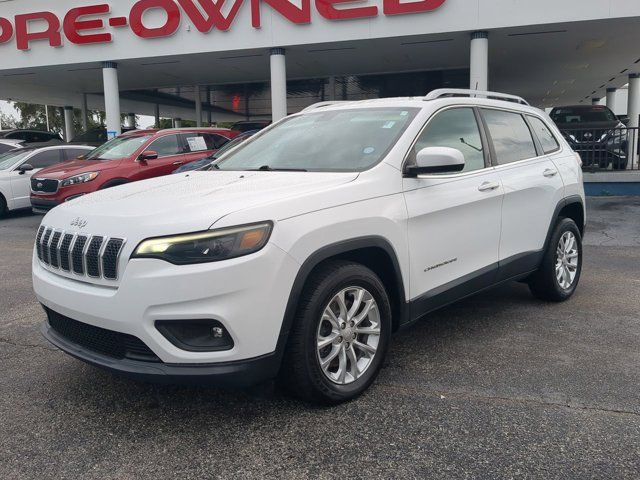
column 133, row 156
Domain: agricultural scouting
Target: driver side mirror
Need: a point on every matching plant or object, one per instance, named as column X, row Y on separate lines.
column 148, row 155
column 437, row 160
column 24, row 168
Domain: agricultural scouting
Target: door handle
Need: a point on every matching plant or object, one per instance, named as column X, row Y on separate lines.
column 489, row 186
column 178, row 163
column 550, row 172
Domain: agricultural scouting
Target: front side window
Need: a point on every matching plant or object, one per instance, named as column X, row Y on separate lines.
column 351, row 140
column 45, row 159
column 456, row 128
column 546, row 138
column 511, row 136
column 9, row 159
column 118, row 148
column 167, row 146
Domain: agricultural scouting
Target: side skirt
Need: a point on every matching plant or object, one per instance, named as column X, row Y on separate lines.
column 511, row 269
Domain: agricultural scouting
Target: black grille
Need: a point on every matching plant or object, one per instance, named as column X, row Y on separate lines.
column 44, row 185
column 107, row 342
column 110, row 258
column 38, row 240
column 45, row 244
column 93, row 257
column 76, row 255
column 64, row 252
column 53, row 249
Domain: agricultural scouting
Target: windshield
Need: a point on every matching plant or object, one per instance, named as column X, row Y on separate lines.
column 117, row 148
column 8, row 159
column 583, row 115
column 330, row 141
column 233, row 143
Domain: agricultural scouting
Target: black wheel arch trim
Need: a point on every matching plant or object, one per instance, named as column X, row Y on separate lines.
column 335, row 250
column 565, row 202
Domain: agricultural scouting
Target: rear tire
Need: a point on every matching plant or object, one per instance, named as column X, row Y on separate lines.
column 3, row 207
column 559, row 273
column 344, row 313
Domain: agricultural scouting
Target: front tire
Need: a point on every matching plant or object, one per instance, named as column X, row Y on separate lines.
column 559, row 273
column 3, row 206
column 340, row 335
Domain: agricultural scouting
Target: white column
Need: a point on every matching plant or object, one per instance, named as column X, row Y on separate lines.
column 111, row 98
column 332, row 89
column 177, row 123
column 479, row 62
column 595, row 101
column 633, row 110
column 198, row 99
column 131, row 120
column 85, row 112
column 69, row 130
column 611, row 99
column 278, row 84
column 210, row 104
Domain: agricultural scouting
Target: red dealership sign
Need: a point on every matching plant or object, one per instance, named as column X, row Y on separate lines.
column 94, row 24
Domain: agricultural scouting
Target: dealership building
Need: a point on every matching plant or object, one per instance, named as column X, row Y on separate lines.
column 225, row 60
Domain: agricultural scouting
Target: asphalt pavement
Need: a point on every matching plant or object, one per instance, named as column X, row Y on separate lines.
column 498, row 386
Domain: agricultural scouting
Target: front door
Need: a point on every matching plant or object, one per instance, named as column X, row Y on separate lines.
column 170, row 150
column 454, row 219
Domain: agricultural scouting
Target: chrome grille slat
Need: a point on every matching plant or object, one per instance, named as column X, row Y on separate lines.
column 45, row 245
column 85, row 255
column 54, row 260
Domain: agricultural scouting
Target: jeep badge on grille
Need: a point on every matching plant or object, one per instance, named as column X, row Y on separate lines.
column 79, row 222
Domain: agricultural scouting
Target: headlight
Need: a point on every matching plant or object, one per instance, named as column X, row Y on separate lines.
column 204, row 247
column 82, row 178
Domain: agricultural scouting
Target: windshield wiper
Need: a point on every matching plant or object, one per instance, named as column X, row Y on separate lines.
column 267, row 168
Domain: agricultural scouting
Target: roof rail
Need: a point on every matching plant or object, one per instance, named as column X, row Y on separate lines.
column 460, row 92
column 318, row 105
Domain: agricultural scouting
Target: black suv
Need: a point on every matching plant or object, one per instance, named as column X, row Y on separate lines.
column 595, row 133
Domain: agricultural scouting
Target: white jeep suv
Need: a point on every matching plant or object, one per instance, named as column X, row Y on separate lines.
column 300, row 252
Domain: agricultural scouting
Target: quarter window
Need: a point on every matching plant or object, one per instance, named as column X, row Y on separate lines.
column 546, row 138
column 167, row 146
column 456, row 128
column 511, row 136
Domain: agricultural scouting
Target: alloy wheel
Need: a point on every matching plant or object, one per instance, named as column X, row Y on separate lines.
column 567, row 260
column 348, row 335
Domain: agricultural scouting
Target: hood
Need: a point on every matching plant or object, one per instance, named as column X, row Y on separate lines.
column 76, row 167
column 187, row 202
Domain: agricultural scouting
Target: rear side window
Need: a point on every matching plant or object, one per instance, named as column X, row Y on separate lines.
column 456, row 128
column 45, row 159
column 511, row 136
column 546, row 138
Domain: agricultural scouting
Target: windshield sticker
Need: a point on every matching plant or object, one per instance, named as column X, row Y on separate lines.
column 368, row 150
column 389, row 125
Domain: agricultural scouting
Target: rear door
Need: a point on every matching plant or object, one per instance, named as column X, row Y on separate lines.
column 532, row 185
column 454, row 219
column 21, row 184
column 170, row 150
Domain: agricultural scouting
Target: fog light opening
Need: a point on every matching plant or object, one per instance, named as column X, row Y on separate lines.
column 196, row 335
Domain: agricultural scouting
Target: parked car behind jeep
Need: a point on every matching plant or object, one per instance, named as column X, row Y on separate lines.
column 137, row 155
column 595, row 133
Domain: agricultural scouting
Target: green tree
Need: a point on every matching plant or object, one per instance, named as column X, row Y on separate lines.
column 7, row 121
column 34, row 116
